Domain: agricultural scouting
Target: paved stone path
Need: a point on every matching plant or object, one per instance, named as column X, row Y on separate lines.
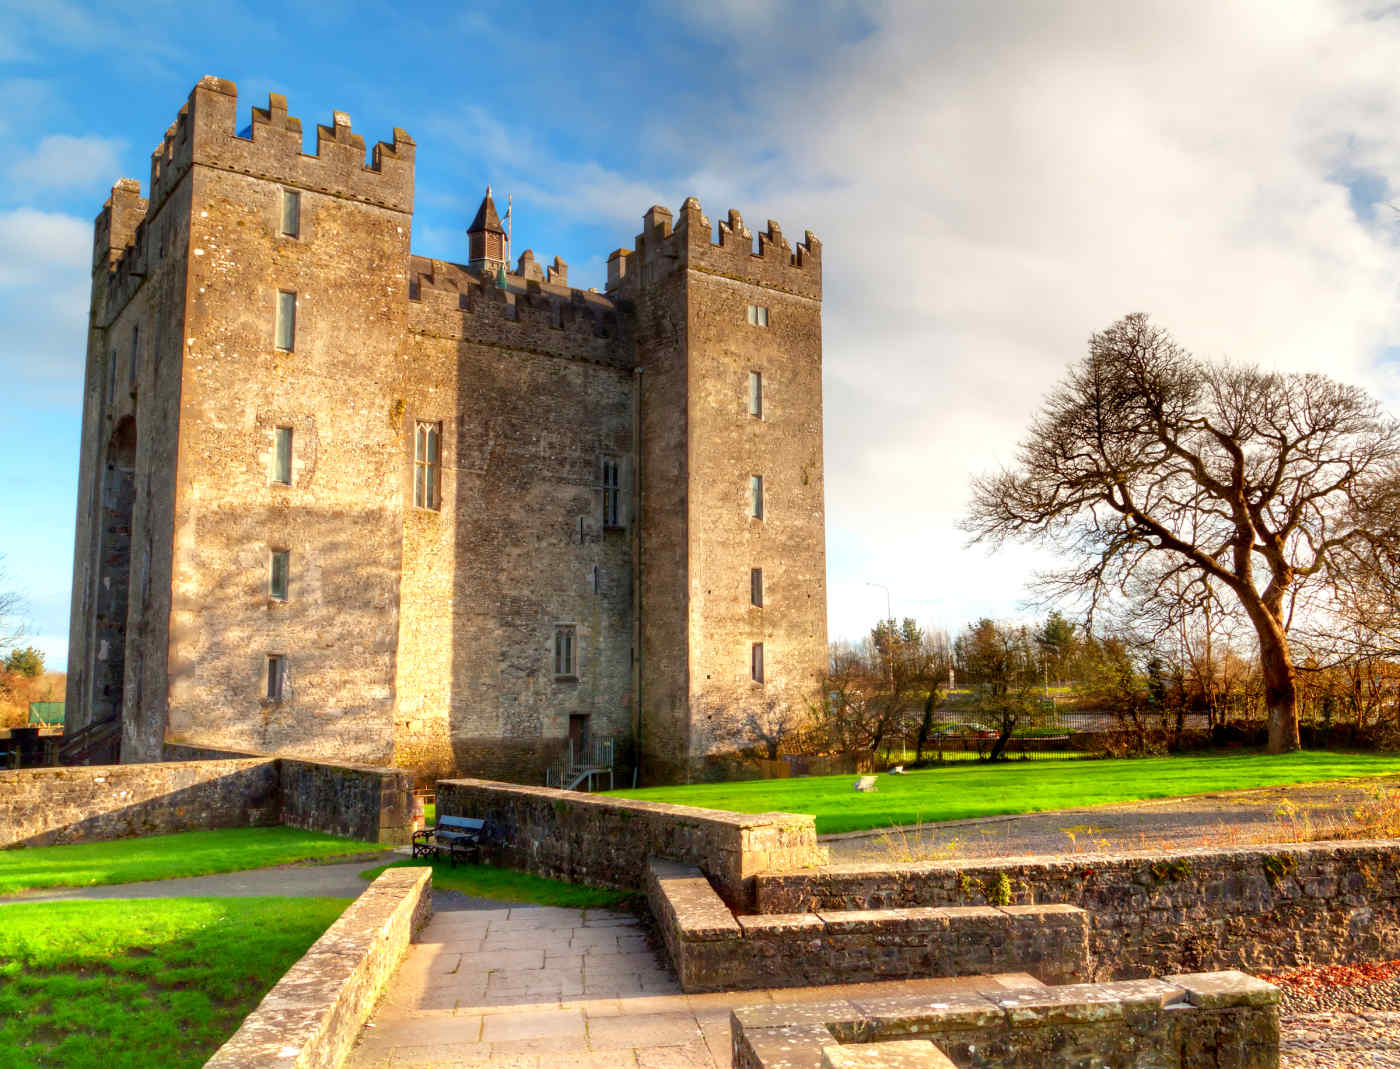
column 1228, row 818
column 528, row 987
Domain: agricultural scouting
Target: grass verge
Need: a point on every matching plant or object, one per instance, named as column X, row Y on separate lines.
column 965, row 790
column 137, row 983
column 508, row 885
column 164, row 857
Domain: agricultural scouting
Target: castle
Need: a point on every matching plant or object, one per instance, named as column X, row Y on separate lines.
column 340, row 500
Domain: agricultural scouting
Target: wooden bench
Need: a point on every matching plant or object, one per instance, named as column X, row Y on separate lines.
column 459, row 836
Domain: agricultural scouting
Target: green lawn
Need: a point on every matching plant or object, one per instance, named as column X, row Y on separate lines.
column 976, row 790
column 163, row 857
column 508, row 885
column 138, row 983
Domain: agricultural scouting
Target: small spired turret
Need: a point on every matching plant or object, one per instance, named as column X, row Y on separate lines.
column 486, row 239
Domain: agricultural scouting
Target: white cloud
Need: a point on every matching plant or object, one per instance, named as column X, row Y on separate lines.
column 62, row 161
column 44, row 286
column 992, row 183
column 38, row 243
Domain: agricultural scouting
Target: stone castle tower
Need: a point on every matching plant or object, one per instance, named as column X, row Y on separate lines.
column 342, row 501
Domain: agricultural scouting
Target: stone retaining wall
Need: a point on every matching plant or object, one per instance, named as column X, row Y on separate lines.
column 356, row 801
column 313, row 1015
column 1224, row 1020
column 607, row 841
column 95, row 803
column 712, row 949
column 1257, row 908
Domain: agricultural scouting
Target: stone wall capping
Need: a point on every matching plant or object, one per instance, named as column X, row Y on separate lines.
column 897, row 1015
column 1225, row 990
column 314, row 1014
column 765, row 925
column 1077, row 1003
column 893, row 1054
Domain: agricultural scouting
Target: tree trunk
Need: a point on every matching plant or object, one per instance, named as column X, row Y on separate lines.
column 1280, row 690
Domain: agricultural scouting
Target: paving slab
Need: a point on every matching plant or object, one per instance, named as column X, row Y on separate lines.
column 590, row 990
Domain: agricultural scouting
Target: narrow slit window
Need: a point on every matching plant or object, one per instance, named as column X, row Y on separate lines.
column 756, row 496
column 756, row 394
column 612, row 493
column 135, row 353
column 286, row 320
column 291, row 213
column 758, row 315
column 756, row 662
column 756, row 587
column 276, row 677
column 565, row 651
column 282, row 456
column 112, row 375
column 277, row 579
column 427, row 446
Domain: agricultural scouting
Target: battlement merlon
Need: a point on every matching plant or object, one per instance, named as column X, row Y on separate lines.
column 205, row 132
column 667, row 244
column 115, row 226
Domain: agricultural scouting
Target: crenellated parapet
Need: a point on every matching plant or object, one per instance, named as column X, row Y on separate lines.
column 530, row 313
column 270, row 148
column 667, row 244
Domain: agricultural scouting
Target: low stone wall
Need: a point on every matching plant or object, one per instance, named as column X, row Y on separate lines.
column 313, row 1015
column 356, row 801
column 713, row 950
column 1257, row 908
column 607, row 841
column 95, row 803
column 1224, row 1020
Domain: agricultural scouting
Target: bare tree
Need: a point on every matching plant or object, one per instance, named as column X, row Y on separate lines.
column 770, row 722
column 1148, row 461
column 12, row 609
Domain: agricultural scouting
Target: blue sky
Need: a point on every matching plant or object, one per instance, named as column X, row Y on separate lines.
column 991, row 183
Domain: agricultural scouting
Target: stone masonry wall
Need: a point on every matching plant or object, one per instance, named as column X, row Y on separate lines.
column 96, row 803
column 518, row 545
column 1224, row 1020
column 712, row 949
column 370, row 804
column 607, row 842
column 1254, row 908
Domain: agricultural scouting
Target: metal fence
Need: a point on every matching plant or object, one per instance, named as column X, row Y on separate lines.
column 1048, row 732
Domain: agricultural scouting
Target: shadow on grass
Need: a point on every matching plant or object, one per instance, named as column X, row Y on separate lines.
column 127, row 984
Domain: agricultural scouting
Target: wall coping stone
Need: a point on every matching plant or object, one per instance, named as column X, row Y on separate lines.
column 683, row 813
column 1218, row 990
column 1075, row 862
column 892, row 1054
column 799, row 1036
column 313, row 1015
